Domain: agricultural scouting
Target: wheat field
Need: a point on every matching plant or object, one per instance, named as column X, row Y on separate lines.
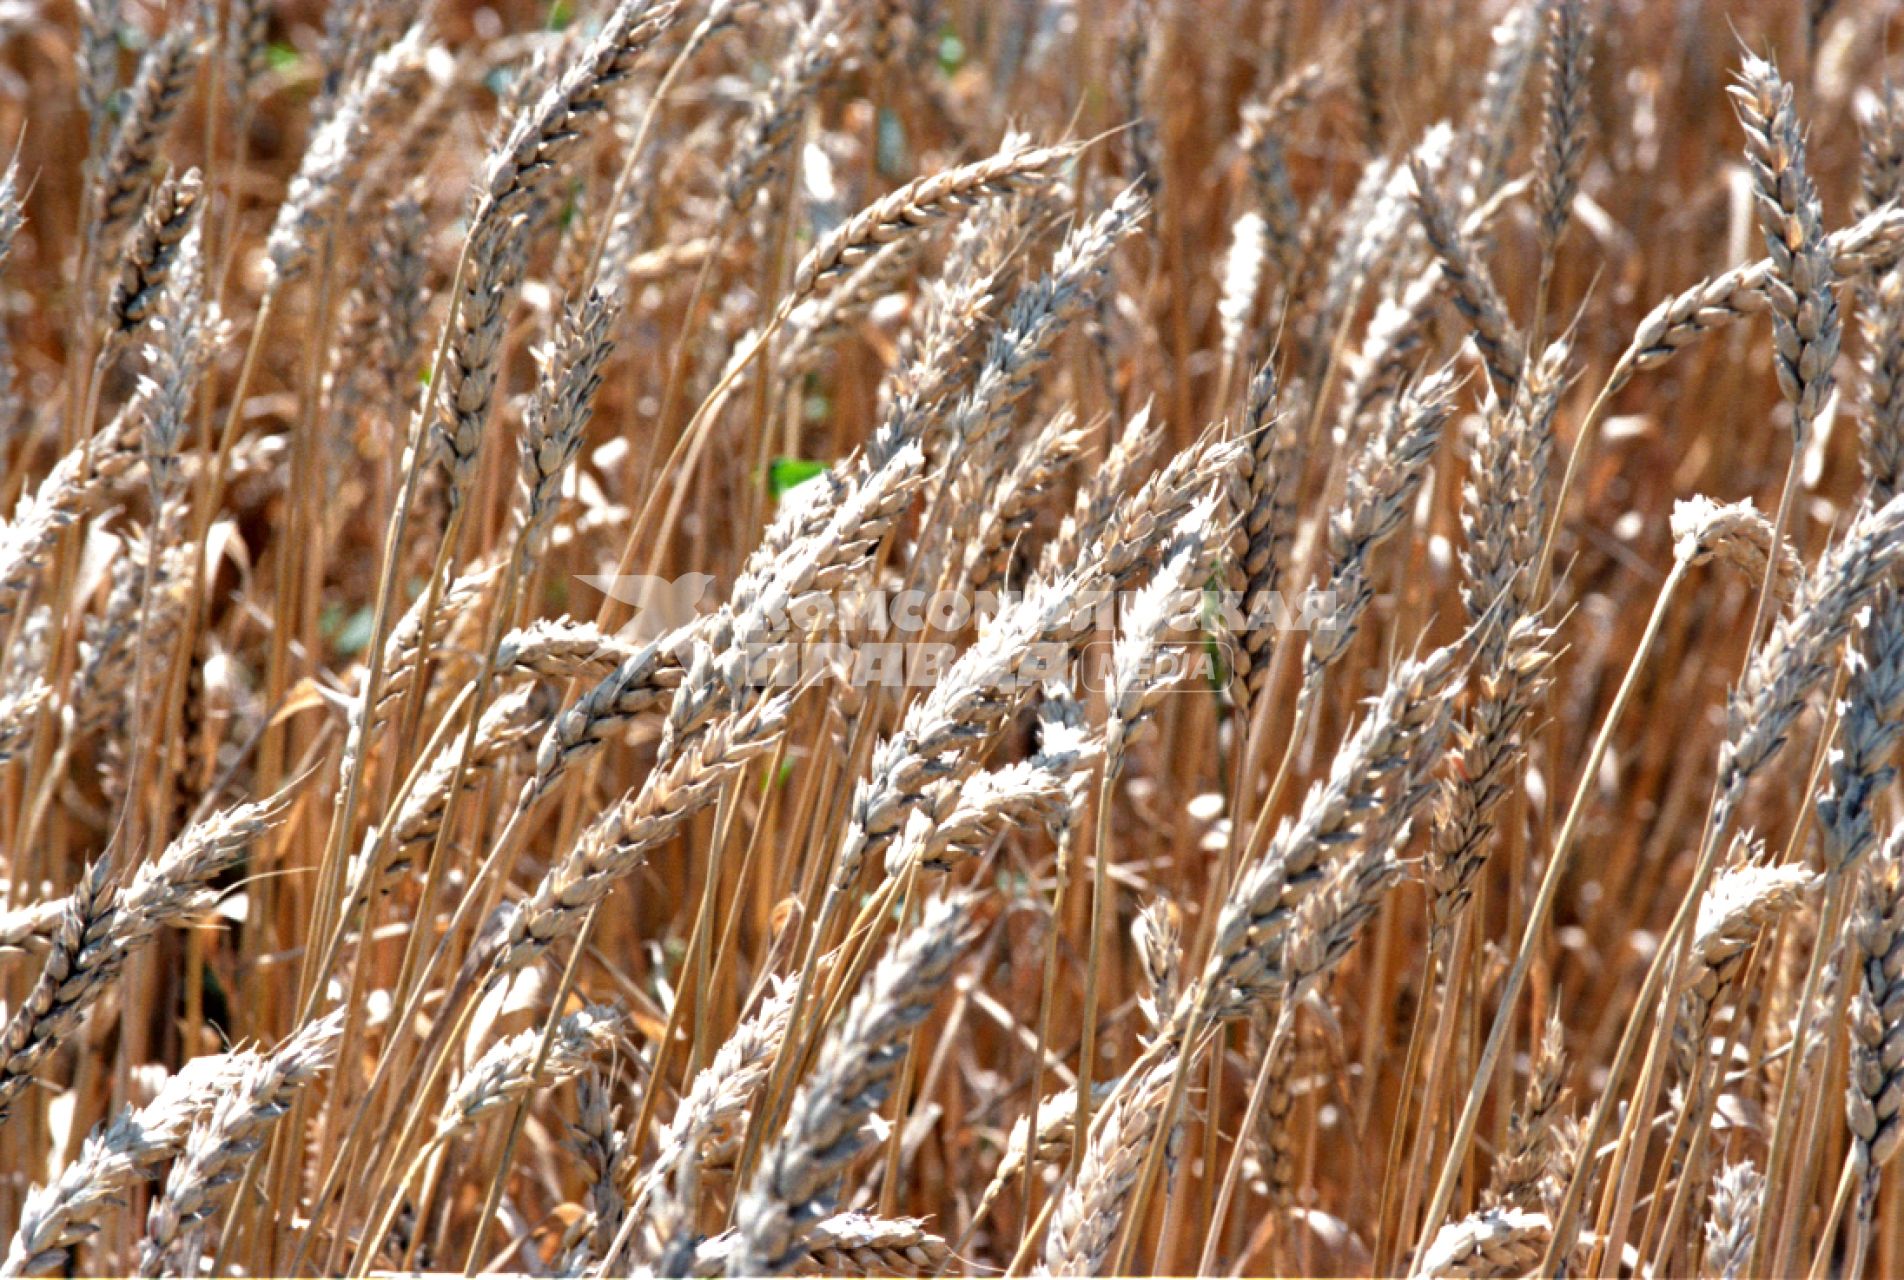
column 951, row 637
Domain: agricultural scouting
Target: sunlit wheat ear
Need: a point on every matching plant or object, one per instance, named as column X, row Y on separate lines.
column 190, row 332
column 1043, row 1139
column 616, row 842
column 1242, row 279
column 1091, row 1209
column 846, row 1244
column 340, row 149
column 165, row 76
column 797, row 1182
column 1871, row 719
column 503, row 1074
column 103, row 926
column 1100, row 492
column 596, row 1140
column 1470, row 286
column 1488, row 135
column 1732, row 1226
column 563, row 649
column 1870, row 245
column 1563, row 120
column 974, row 430
column 859, row 1244
column 63, row 1214
column 76, row 483
column 1740, row 905
column 1793, row 660
column 497, row 256
column 1271, row 508
column 1366, row 230
column 460, row 600
column 1158, row 935
column 712, row 1110
column 1381, row 485
column 1023, row 344
column 1372, row 790
column 150, row 252
column 1011, row 510
column 559, row 411
column 1138, row 678
column 1490, row 745
column 1805, row 328
column 1504, row 514
column 1273, row 195
column 1490, row 1243
column 1881, row 399
column 1504, row 511
column 97, row 57
column 17, row 711
column 920, row 203
column 13, row 413
column 530, row 151
column 1530, row 1148
column 1141, row 527
column 1880, row 113
column 1873, row 1109
column 759, row 155
column 504, row 735
column 223, row 1142
column 1040, row 790
column 1735, row 534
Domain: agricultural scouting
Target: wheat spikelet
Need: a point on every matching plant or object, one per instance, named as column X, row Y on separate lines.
column 1492, row 1242
column 1472, row 288
column 503, row 1074
column 150, row 253
column 1382, row 483
column 758, row 156
column 1272, row 487
column 1876, row 1021
column 1531, row 1141
column 163, row 81
column 595, row 1139
column 1092, row 1208
column 710, row 1114
column 614, row 844
column 1732, row 1228
column 1737, row 534
column 64, row 1213
column 1377, row 764
column 222, row 1143
column 795, row 1186
column 1804, row 310
column 1791, row 662
column 540, row 135
column 919, row 203
column 102, row 926
column 559, row 413
column 1739, row 905
column 1869, row 245
column 341, row 148
column 1563, row 120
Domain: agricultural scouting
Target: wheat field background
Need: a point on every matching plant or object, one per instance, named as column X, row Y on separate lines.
column 951, row 637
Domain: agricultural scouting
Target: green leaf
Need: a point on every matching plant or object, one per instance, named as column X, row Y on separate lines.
column 349, row 633
column 951, row 51
column 784, row 474
column 280, row 56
